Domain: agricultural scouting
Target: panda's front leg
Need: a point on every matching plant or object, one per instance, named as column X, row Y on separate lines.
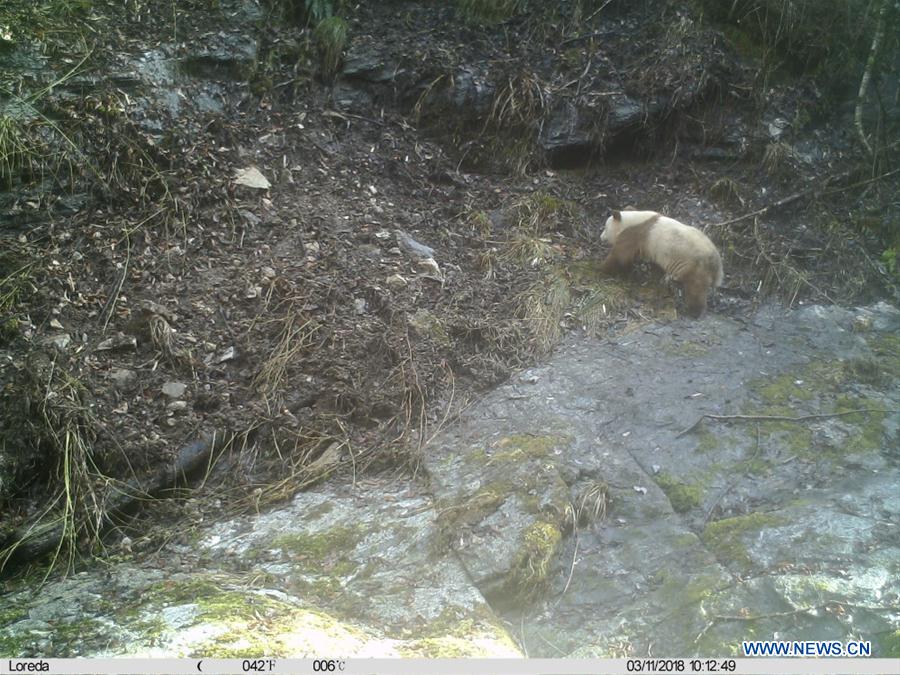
column 617, row 262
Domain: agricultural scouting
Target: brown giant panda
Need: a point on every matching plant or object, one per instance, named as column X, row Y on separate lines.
column 684, row 252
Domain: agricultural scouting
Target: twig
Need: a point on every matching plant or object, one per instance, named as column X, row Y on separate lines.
column 571, row 569
column 110, row 305
column 781, row 418
column 803, row 193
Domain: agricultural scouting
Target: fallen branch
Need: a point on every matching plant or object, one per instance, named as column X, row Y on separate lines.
column 780, row 418
column 803, row 193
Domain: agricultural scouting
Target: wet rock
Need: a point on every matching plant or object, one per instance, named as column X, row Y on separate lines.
column 687, row 514
column 365, row 62
column 566, row 130
column 625, row 112
column 220, row 56
column 365, row 563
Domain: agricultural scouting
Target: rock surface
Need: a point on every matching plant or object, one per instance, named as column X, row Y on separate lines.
column 578, row 508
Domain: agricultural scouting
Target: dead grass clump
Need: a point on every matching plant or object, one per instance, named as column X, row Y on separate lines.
column 777, row 158
column 726, row 192
column 17, row 264
column 49, row 430
column 519, row 103
column 487, row 11
column 531, row 220
column 528, row 250
column 563, row 298
column 592, row 504
column 296, row 336
column 542, row 307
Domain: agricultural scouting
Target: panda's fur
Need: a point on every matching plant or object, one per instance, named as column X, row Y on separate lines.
column 684, row 252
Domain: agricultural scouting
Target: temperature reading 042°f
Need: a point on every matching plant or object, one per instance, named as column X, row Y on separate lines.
column 258, row 665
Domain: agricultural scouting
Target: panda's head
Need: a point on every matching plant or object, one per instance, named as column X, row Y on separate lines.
column 612, row 229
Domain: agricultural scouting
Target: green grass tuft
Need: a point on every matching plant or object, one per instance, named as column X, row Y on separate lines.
column 331, row 38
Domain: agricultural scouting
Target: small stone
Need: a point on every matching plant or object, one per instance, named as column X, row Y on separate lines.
column 396, row 281
column 174, row 389
column 360, row 304
column 118, row 341
column 123, row 377
column 177, row 406
column 862, row 323
column 60, row 342
column 429, row 268
column 227, row 355
column 252, row 177
column 268, row 272
column 412, row 247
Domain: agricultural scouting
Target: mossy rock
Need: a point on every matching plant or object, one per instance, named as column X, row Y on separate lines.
column 725, row 538
column 682, row 496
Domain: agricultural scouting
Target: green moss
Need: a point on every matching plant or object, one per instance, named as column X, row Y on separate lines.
column 870, row 371
column 427, row 324
column 756, row 465
column 459, row 632
column 677, row 591
column 707, row 441
column 287, row 630
column 323, row 552
column 477, row 507
column 886, row 349
column 528, row 577
column 725, row 538
column 682, row 496
column 789, row 388
column 519, row 447
column 869, row 434
column 784, row 389
column 784, row 394
column 888, row 645
column 688, row 349
column 12, row 645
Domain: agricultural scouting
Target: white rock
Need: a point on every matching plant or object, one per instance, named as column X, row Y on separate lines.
column 174, row 389
column 252, row 177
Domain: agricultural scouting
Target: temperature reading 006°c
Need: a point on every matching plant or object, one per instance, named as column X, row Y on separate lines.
column 258, row 665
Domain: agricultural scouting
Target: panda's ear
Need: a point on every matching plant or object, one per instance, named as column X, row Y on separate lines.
column 617, row 215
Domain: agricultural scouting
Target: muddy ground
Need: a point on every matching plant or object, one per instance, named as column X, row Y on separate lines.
column 152, row 298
